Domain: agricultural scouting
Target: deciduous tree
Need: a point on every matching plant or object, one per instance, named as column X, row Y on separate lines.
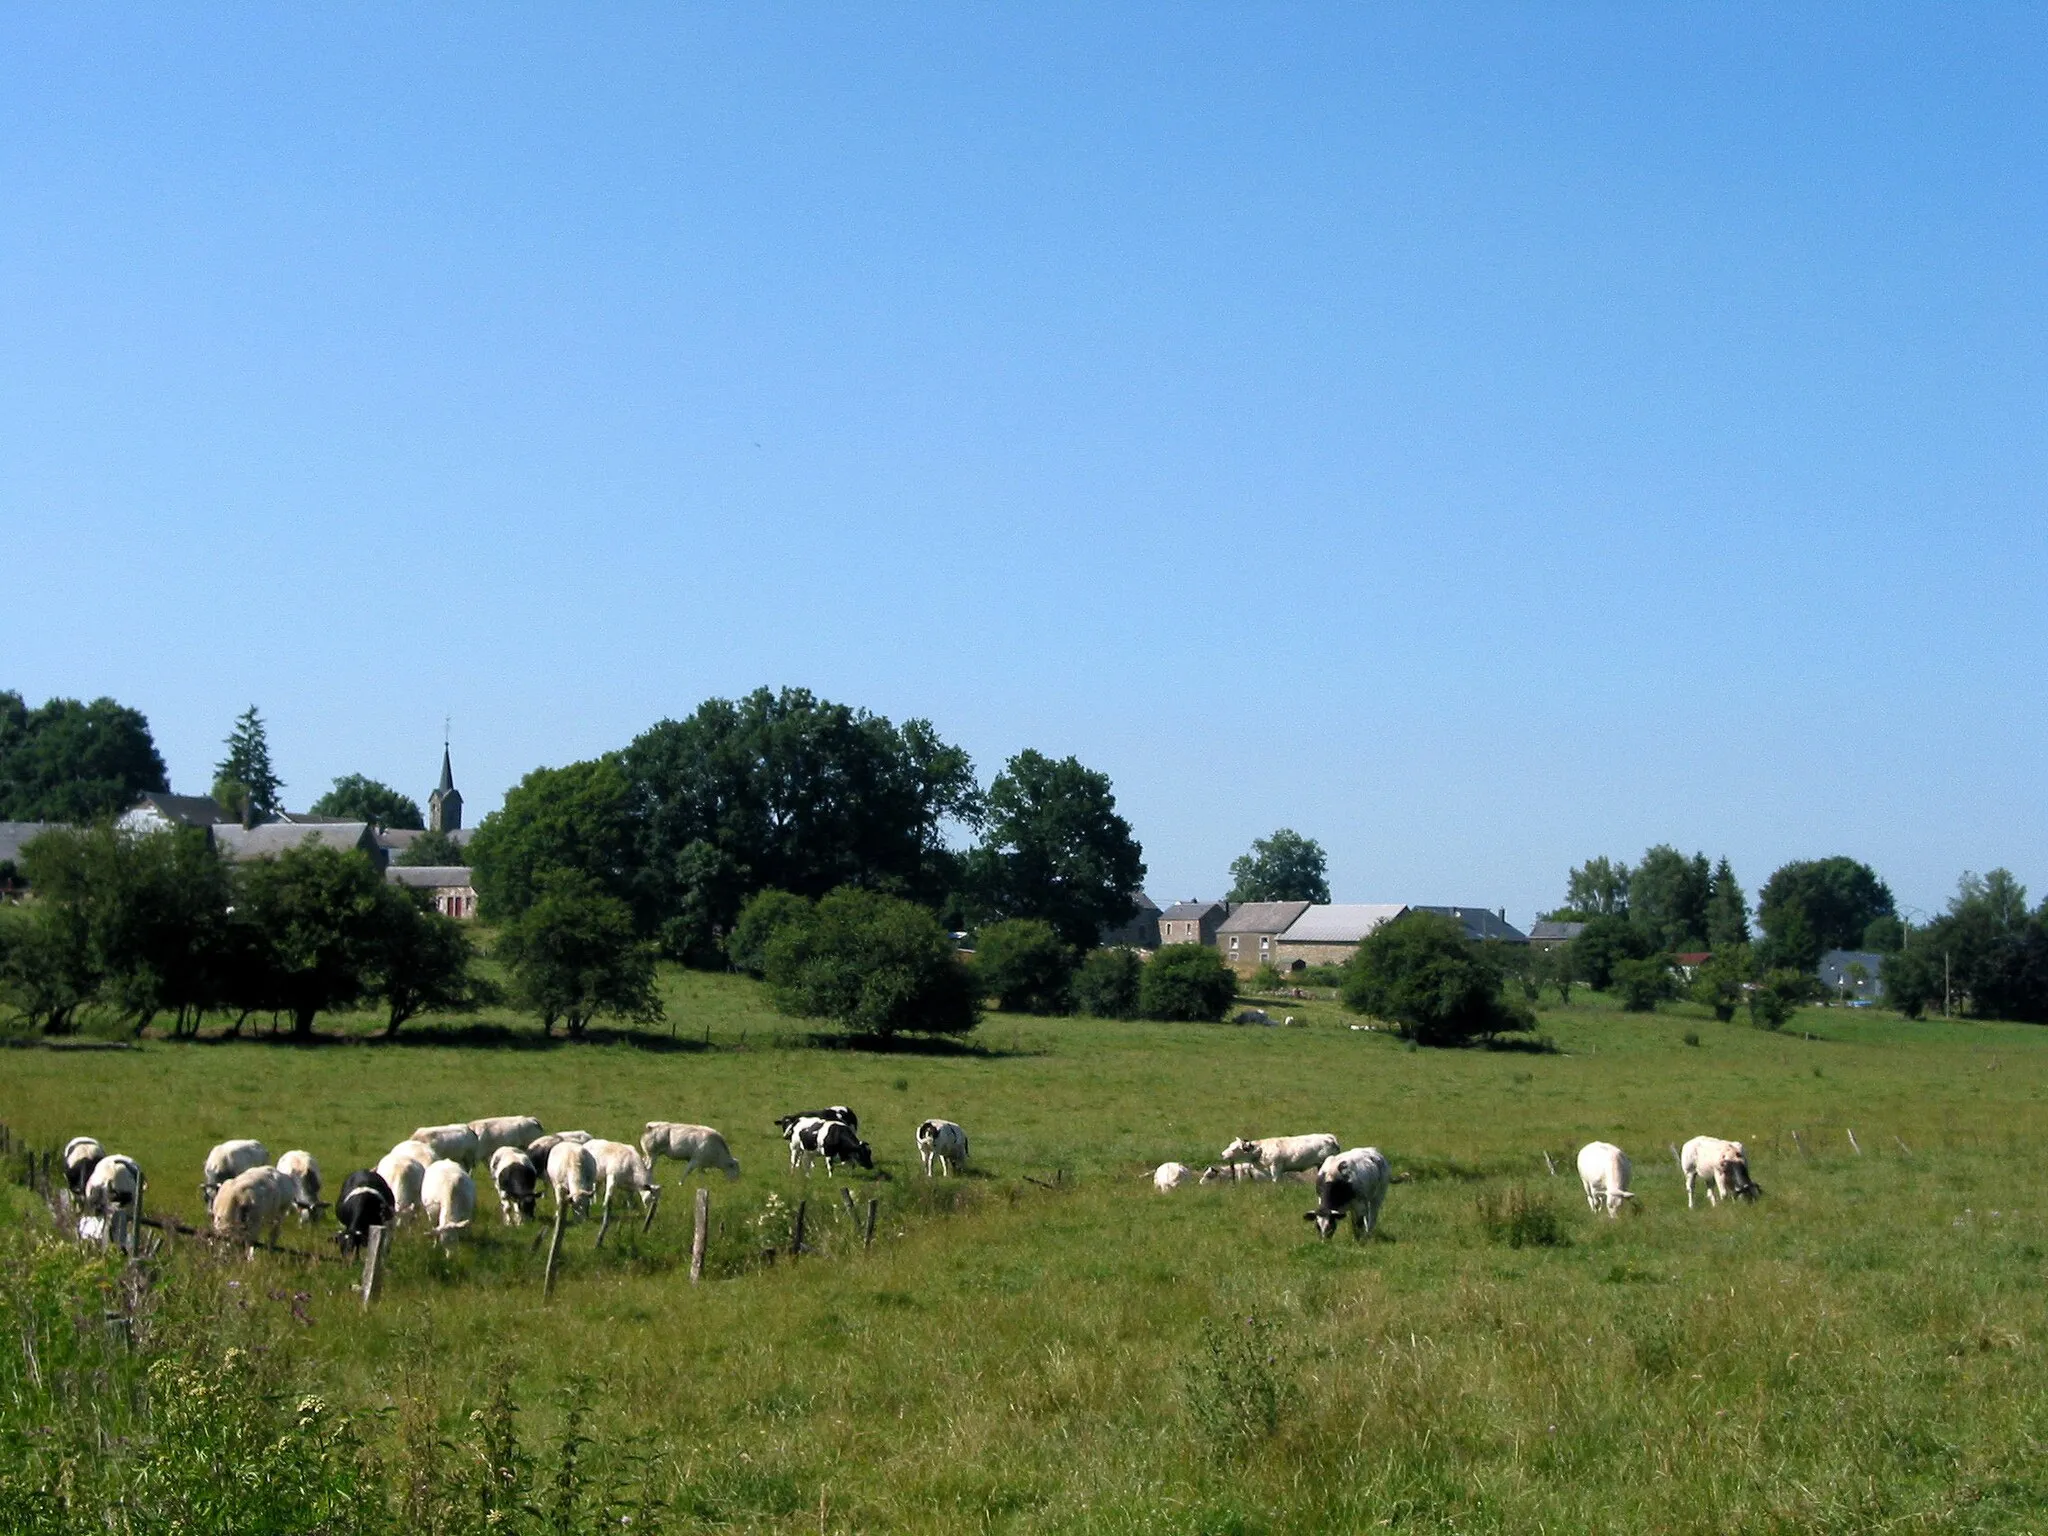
column 873, row 964
column 359, row 798
column 577, row 819
column 1107, row 984
column 1055, row 848
column 1811, row 906
column 70, row 762
column 1187, row 982
column 574, row 955
column 1437, row 987
column 1024, row 966
column 1283, row 867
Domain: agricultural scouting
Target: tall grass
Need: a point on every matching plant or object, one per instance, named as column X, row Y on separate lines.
column 1861, row 1349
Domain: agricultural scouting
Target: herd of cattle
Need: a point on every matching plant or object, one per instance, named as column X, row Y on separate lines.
column 429, row 1174
column 1352, row 1185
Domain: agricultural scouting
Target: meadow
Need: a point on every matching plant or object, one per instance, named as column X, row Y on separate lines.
column 1861, row 1349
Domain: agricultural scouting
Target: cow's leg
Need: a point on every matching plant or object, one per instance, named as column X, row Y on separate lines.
column 1689, row 1177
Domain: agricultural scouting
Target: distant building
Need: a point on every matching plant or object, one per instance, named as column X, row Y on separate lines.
column 1327, row 934
column 1545, row 934
column 1834, row 968
column 14, row 836
column 444, row 805
column 1246, row 937
column 1142, row 931
column 160, row 812
column 1192, row 922
column 1481, row 923
column 240, row 843
column 447, row 886
column 395, row 840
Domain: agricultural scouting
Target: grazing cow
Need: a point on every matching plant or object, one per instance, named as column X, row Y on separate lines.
column 1604, row 1173
column 366, row 1201
column 457, row 1143
column 1171, row 1176
column 944, row 1143
column 227, row 1160
column 403, row 1169
column 624, row 1167
column 503, row 1131
column 80, row 1153
column 1228, row 1173
column 572, row 1174
column 1723, row 1164
column 251, row 1203
column 1350, row 1184
column 833, row 1140
column 516, row 1180
column 694, row 1146
column 305, row 1172
column 448, row 1196
column 839, row 1112
column 115, row 1181
column 1275, row 1155
column 539, row 1148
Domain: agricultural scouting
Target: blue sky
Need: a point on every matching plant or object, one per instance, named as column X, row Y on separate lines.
column 1476, row 437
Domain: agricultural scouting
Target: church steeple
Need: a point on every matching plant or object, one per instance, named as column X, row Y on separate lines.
column 444, row 805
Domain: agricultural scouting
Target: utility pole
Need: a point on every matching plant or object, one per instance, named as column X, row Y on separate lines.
column 1947, row 993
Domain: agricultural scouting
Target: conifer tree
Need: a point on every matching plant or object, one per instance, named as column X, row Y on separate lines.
column 244, row 782
column 1727, row 910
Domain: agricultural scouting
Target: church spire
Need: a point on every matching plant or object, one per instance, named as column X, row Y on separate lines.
column 444, row 805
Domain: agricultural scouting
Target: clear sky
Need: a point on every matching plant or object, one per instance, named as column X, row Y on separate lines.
column 1476, row 437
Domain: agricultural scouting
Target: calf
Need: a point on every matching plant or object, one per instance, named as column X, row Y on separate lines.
column 250, row 1203
column 1604, row 1174
column 448, row 1196
column 1723, row 1164
column 457, row 1143
column 1350, row 1184
column 1275, row 1155
column 694, row 1146
column 402, row 1169
column 115, row 1181
column 944, row 1143
column 572, row 1173
column 833, row 1140
column 227, row 1160
column 366, row 1201
column 503, row 1131
column 839, row 1112
column 305, row 1172
column 1228, row 1173
column 516, row 1180
column 623, row 1167
column 80, row 1153
column 1171, row 1176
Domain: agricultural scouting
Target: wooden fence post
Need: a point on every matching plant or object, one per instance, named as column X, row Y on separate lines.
column 697, row 1241
column 373, row 1263
column 852, row 1213
column 1798, row 1143
column 1852, row 1142
column 547, row 1284
column 1546, row 1163
column 135, row 1231
column 796, row 1235
column 653, row 1205
column 867, row 1238
column 1902, row 1146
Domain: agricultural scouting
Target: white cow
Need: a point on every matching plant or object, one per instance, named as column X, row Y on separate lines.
column 457, row 1143
column 1275, row 1155
column 1171, row 1176
column 114, row 1181
column 227, row 1160
column 80, row 1153
column 572, row 1174
column 252, row 1202
column 404, row 1168
column 1604, row 1171
column 694, row 1146
column 1228, row 1173
column 448, row 1196
column 944, row 1143
column 303, row 1170
column 1352, row 1184
column 503, row 1131
column 622, row 1167
column 517, row 1181
column 1723, row 1164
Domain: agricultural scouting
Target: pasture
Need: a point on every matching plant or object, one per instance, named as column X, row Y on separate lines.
column 1861, row 1349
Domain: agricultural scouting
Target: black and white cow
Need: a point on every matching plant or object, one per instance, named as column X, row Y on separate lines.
column 517, row 1182
column 80, row 1153
column 833, row 1140
column 839, row 1112
column 1350, row 1184
column 366, row 1201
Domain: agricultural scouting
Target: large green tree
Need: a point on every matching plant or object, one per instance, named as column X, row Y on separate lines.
column 574, row 955
column 1988, row 952
column 873, row 964
column 1668, row 897
column 1811, row 906
column 579, row 818
column 1283, row 867
column 365, row 799
column 1053, row 847
column 421, row 961
column 1025, row 966
column 244, row 782
column 1727, row 911
column 72, row 762
column 319, row 913
column 1437, row 987
column 1187, row 982
column 1597, row 888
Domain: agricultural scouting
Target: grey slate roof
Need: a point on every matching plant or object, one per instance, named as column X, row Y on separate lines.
column 1547, row 931
column 398, row 839
column 1189, row 911
column 274, row 837
column 13, row 834
column 1480, row 923
column 430, row 877
column 1340, row 922
column 185, row 810
column 1263, row 916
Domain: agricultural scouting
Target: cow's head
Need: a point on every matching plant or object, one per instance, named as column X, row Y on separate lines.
column 864, row 1154
column 1745, row 1188
column 1333, row 1198
column 1238, row 1151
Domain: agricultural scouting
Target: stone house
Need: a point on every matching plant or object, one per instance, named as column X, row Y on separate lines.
column 1141, row 932
column 1547, row 934
column 1247, row 937
column 447, row 886
column 1481, row 923
column 1192, row 922
column 1327, row 934
column 238, row 842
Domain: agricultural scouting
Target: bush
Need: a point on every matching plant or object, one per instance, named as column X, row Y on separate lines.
column 1234, row 1383
column 1437, row 987
column 1107, row 983
column 1024, row 966
column 1605, row 942
column 573, row 955
column 759, row 921
column 874, row 965
column 1718, row 983
column 1319, row 976
column 1187, row 982
column 1520, row 1220
column 1773, row 999
column 1643, row 984
column 1266, row 979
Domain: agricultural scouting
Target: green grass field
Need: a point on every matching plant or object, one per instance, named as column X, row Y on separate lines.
column 1860, row 1350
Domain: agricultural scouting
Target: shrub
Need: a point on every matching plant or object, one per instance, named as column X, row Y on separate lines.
column 1266, row 979
column 1606, row 941
column 1520, row 1219
column 1107, row 983
column 573, row 955
column 1718, row 983
column 1186, row 981
column 1643, row 984
column 1319, row 976
column 759, row 921
column 873, row 964
column 1772, row 1000
column 1437, row 987
column 1024, row 965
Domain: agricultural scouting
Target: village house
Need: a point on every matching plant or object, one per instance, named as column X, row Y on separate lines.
column 1546, row 934
column 1141, row 932
column 447, row 886
column 1192, row 922
column 1327, row 934
column 239, row 843
column 1246, row 938
column 1481, row 923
